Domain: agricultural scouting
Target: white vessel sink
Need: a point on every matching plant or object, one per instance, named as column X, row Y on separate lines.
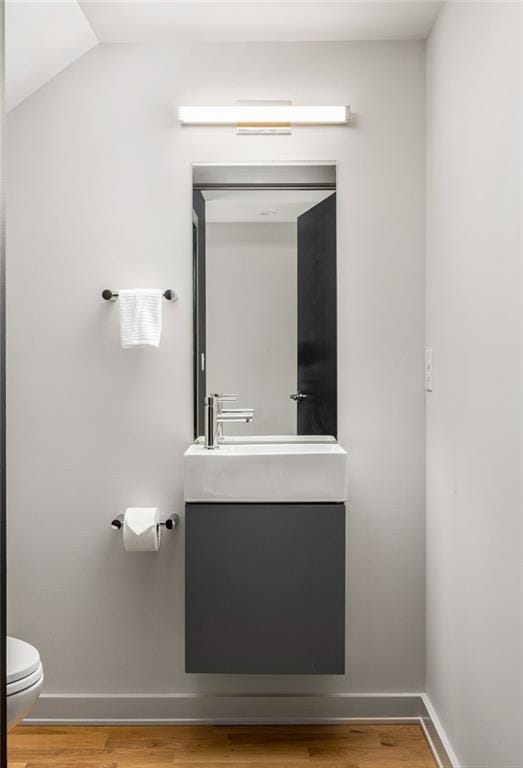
column 315, row 472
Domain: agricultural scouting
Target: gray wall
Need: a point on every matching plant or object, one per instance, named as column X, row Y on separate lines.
column 99, row 195
column 474, row 643
column 251, row 277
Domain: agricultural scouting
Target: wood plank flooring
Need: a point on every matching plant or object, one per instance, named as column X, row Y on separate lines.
column 201, row 746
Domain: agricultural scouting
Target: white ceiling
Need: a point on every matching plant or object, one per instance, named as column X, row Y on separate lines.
column 259, row 206
column 42, row 38
column 168, row 21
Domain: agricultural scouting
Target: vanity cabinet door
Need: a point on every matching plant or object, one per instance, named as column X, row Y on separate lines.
column 265, row 588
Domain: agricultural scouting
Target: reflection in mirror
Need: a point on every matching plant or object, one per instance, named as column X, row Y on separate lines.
column 264, row 254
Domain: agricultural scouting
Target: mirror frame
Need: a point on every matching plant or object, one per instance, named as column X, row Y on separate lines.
column 199, row 287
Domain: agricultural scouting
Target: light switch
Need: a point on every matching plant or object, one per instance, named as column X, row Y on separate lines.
column 428, row 370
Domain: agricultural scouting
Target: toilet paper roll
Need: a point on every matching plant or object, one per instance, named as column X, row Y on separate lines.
column 141, row 529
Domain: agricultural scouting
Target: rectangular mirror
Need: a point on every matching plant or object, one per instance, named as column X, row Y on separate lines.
column 264, row 254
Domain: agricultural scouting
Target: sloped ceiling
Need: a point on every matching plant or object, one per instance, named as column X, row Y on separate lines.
column 42, row 38
column 171, row 21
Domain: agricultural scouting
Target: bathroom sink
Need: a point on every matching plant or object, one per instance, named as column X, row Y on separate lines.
column 250, row 439
column 290, row 472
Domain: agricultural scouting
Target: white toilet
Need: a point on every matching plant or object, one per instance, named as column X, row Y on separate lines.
column 25, row 677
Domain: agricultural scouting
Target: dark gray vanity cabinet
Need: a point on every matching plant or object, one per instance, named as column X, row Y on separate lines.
column 265, row 588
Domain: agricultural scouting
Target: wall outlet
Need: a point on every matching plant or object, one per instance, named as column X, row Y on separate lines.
column 428, row 370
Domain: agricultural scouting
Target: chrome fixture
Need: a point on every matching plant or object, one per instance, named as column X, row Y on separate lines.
column 109, row 295
column 170, row 523
column 216, row 415
column 298, row 397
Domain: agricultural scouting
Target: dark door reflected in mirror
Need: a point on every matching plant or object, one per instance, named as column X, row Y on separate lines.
column 264, row 259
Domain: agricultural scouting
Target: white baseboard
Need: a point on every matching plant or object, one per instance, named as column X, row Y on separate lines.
column 234, row 709
column 175, row 708
column 436, row 736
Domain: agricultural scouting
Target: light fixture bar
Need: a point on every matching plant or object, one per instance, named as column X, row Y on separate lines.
column 264, row 115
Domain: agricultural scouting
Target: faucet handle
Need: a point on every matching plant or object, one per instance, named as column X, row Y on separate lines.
column 225, row 398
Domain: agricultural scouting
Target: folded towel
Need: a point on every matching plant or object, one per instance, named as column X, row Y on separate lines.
column 140, row 317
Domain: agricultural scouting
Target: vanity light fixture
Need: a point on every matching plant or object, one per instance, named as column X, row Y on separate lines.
column 264, row 116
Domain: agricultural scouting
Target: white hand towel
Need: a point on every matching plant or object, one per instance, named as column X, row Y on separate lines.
column 140, row 317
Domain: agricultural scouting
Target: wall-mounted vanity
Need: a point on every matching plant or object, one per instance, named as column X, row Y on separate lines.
column 265, row 485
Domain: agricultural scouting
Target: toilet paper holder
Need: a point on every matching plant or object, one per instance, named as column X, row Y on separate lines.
column 169, row 523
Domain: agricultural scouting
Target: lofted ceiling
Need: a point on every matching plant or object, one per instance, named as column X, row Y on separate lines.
column 166, row 21
column 43, row 37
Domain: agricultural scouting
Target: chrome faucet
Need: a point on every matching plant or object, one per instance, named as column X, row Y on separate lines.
column 216, row 415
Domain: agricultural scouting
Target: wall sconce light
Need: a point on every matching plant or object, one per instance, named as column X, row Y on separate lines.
column 264, row 117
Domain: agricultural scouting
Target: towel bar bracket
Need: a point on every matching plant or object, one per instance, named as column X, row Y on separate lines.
column 109, row 295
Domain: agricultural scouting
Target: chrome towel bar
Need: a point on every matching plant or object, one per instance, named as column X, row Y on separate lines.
column 109, row 295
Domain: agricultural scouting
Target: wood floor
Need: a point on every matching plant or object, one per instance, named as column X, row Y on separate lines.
column 301, row 746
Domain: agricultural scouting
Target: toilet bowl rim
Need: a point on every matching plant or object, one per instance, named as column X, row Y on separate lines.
column 22, row 659
column 25, row 683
